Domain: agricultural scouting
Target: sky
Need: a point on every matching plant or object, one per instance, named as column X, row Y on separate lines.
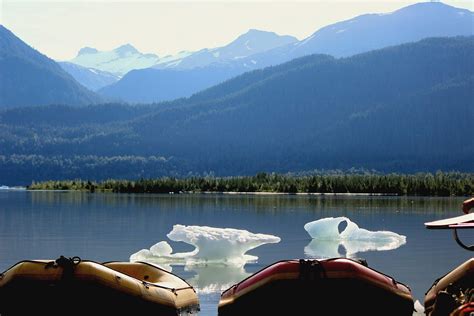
column 59, row 28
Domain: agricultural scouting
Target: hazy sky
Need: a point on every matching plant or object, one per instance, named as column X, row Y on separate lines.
column 60, row 28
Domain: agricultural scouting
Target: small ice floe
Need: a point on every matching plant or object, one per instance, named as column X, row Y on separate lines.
column 328, row 241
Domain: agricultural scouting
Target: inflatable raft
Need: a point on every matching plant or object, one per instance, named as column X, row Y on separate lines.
column 79, row 287
column 317, row 287
column 452, row 294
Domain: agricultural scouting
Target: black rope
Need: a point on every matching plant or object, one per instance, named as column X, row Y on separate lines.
column 68, row 265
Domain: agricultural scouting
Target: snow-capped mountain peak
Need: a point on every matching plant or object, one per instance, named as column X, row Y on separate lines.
column 252, row 42
column 126, row 49
column 118, row 61
column 87, row 50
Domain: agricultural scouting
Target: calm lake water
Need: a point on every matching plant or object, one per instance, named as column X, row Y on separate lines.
column 106, row 227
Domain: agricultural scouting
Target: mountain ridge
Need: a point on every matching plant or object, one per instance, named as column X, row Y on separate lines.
column 31, row 78
column 92, row 79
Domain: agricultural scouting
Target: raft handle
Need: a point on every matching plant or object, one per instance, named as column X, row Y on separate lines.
column 64, row 262
column 460, row 243
column 311, row 270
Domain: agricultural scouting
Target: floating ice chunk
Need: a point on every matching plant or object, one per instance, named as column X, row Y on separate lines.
column 220, row 244
column 6, row 187
column 329, row 242
column 328, row 228
column 218, row 258
column 212, row 245
column 148, row 255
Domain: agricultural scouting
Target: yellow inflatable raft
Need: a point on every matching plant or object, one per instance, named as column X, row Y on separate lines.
column 80, row 287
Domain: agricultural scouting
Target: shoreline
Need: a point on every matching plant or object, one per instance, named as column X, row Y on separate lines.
column 210, row 192
column 290, row 193
column 262, row 193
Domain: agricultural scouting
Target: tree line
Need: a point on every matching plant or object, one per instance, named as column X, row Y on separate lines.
column 421, row 184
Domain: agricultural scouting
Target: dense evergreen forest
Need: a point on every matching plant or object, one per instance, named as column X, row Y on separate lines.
column 424, row 184
column 399, row 109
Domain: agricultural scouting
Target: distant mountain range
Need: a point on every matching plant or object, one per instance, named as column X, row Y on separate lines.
column 184, row 76
column 98, row 69
column 148, row 78
column 118, row 61
column 404, row 108
column 28, row 77
column 248, row 44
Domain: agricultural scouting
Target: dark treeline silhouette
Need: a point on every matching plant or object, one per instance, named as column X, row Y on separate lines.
column 423, row 184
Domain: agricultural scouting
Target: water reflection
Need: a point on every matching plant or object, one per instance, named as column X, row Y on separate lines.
column 206, row 278
column 215, row 278
column 320, row 249
column 268, row 204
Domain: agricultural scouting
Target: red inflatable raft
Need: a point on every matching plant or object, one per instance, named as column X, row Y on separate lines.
column 317, row 287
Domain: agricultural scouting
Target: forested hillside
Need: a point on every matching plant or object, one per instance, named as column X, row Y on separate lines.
column 405, row 108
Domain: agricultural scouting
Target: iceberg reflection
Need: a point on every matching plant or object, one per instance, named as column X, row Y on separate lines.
column 215, row 278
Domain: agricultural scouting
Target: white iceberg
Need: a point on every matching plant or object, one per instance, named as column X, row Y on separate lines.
column 212, row 245
column 329, row 242
column 218, row 258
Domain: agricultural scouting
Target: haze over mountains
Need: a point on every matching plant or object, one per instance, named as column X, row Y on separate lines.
column 28, row 77
column 360, row 34
column 401, row 108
